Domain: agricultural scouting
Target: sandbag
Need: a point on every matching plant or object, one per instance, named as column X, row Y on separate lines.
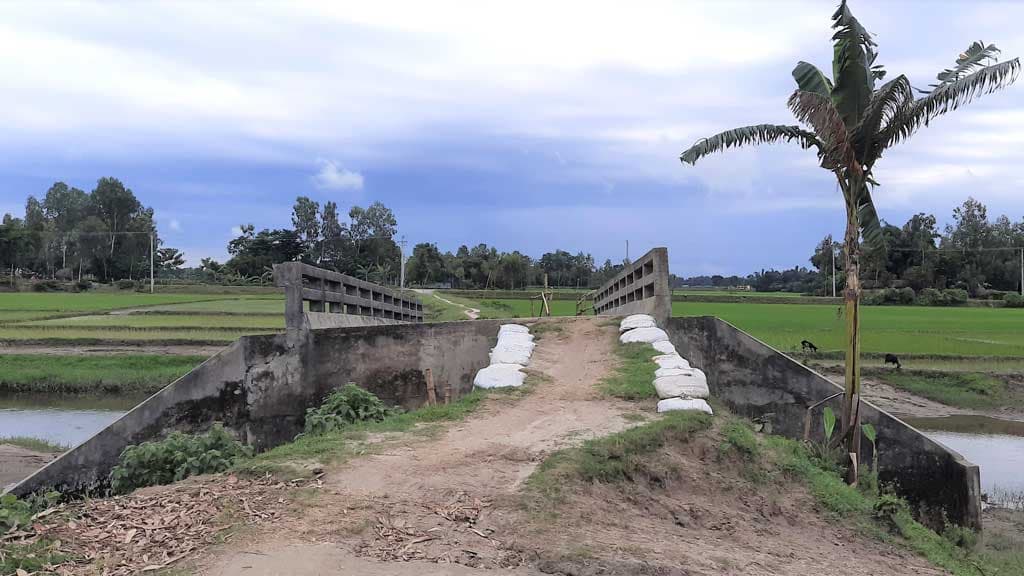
column 692, row 404
column 665, row 347
column 511, row 354
column 691, row 383
column 500, row 376
column 645, row 335
column 515, row 338
column 671, row 361
column 513, row 329
column 637, row 321
column 671, row 372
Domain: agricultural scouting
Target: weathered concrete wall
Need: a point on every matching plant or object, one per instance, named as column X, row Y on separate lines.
column 642, row 287
column 390, row 360
column 261, row 386
column 755, row 380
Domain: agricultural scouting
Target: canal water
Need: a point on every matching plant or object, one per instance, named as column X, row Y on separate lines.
column 995, row 445
column 63, row 420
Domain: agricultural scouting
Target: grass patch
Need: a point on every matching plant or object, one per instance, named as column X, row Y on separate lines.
column 619, row 457
column 739, row 438
column 437, row 310
column 542, row 329
column 32, row 558
column 633, row 376
column 514, row 308
column 90, row 374
column 961, row 389
column 339, row 445
column 102, row 335
column 33, row 444
column 196, row 321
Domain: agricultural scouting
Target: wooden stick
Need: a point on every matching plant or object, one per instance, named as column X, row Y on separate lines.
column 448, row 392
column 431, row 392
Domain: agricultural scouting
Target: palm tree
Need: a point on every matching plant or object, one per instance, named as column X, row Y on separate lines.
column 850, row 123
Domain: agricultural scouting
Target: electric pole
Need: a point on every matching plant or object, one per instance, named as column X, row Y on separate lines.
column 152, row 267
column 401, row 263
column 832, row 249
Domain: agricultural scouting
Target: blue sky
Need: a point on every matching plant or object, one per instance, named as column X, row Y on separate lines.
column 526, row 125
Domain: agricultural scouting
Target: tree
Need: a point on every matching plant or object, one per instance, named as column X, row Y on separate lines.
column 332, row 234
column 170, row 259
column 426, row 265
column 850, row 123
column 305, row 219
column 65, row 208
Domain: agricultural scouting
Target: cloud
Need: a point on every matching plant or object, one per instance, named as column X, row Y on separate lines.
column 331, row 177
column 174, row 225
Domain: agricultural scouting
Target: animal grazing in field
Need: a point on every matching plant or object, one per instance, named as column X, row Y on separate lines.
column 892, row 359
column 808, row 346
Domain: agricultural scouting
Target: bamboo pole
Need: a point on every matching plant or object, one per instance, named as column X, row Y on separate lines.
column 431, row 391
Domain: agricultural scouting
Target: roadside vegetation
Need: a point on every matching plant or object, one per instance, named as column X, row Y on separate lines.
column 961, row 389
column 631, row 380
column 33, row 444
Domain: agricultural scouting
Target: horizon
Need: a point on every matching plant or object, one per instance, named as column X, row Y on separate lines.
column 524, row 128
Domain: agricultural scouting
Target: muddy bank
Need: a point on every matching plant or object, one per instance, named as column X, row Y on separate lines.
column 142, row 347
column 17, row 463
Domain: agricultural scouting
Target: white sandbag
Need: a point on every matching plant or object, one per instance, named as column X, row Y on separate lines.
column 692, row 383
column 511, row 354
column 694, row 404
column 665, row 347
column 637, row 321
column 513, row 329
column 671, row 372
column 499, row 376
column 645, row 335
column 671, row 361
column 515, row 338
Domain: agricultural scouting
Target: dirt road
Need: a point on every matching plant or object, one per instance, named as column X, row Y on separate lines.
column 16, row 463
column 453, row 505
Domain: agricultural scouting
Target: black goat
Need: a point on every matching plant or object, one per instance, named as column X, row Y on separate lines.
column 892, row 359
column 808, row 346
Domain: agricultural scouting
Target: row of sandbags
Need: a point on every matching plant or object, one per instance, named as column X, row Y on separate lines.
column 508, row 358
column 680, row 386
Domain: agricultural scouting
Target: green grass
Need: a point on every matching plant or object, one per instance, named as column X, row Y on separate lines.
column 34, row 444
column 101, row 335
column 962, row 389
column 92, row 373
column 165, row 321
column 340, row 445
column 434, row 310
column 513, row 308
column 884, row 329
column 92, row 301
column 253, row 305
column 856, row 509
column 33, row 557
column 738, row 293
column 619, row 457
column 633, row 377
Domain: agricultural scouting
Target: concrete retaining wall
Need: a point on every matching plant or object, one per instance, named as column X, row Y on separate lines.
column 755, row 380
column 642, row 287
column 260, row 388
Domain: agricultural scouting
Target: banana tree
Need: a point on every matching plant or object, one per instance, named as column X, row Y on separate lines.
column 850, row 123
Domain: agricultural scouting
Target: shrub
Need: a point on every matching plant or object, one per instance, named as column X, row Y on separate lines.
column 1014, row 300
column 346, row 406
column 126, row 284
column 907, row 295
column 16, row 511
column 175, row 458
column 955, row 296
column 81, row 286
column 46, row 286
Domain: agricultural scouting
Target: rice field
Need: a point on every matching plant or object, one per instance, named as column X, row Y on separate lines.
column 193, row 320
column 918, row 330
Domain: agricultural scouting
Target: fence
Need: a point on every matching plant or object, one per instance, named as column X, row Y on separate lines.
column 331, row 293
column 641, row 288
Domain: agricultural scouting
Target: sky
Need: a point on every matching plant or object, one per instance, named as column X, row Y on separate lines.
column 525, row 125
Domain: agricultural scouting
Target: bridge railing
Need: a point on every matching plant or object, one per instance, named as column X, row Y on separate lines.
column 642, row 287
column 330, row 292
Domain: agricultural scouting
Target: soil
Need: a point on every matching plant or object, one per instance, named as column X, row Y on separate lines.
column 454, row 504
column 17, row 463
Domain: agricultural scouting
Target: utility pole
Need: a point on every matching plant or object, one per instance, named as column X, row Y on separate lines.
column 152, row 263
column 401, row 263
column 627, row 250
column 1022, row 271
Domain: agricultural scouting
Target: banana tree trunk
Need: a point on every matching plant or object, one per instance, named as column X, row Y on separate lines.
column 851, row 298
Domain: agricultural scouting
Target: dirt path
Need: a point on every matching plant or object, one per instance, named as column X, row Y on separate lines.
column 473, row 313
column 16, row 463
column 901, row 403
column 417, row 498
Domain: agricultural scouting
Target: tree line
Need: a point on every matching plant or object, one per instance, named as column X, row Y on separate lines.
column 972, row 253
column 70, row 233
column 364, row 246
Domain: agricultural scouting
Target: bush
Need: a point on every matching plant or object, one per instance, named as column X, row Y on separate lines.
column 46, row 286
column 955, row 296
column 175, row 458
column 948, row 297
column 16, row 511
column 889, row 296
column 126, row 284
column 81, row 286
column 1014, row 300
column 346, row 406
column 907, row 295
